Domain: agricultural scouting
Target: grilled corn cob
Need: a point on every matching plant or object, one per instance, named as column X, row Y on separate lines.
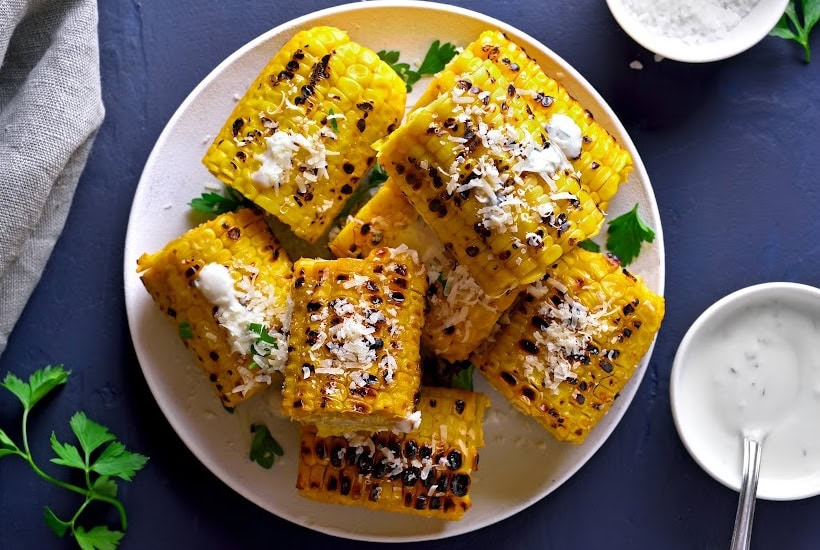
column 602, row 162
column 425, row 472
column 299, row 141
column 572, row 342
column 354, row 363
column 238, row 336
column 460, row 316
column 482, row 174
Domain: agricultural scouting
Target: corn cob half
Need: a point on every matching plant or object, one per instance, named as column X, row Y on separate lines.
column 572, row 342
column 355, row 332
column 237, row 331
column 299, row 140
column 460, row 316
column 602, row 163
column 425, row 472
column 484, row 177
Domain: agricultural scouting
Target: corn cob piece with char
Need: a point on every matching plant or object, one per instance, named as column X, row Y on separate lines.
column 299, row 140
column 354, row 361
column 426, row 472
column 460, row 316
column 572, row 342
column 226, row 285
column 482, row 174
column 602, row 163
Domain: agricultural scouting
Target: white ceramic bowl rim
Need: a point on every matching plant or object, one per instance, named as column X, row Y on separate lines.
column 750, row 294
column 755, row 26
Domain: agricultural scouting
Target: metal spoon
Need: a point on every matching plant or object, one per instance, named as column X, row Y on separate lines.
column 742, row 535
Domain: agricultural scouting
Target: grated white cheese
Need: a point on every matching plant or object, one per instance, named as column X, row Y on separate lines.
column 410, row 423
column 570, row 328
column 279, row 156
column 241, row 304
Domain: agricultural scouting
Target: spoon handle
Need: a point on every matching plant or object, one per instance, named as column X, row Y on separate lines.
column 742, row 536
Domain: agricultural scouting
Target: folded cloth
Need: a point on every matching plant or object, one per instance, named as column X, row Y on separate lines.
column 50, row 110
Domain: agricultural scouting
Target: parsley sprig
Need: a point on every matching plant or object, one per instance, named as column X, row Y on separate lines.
column 625, row 236
column 436, row 58
column 463, row 379
column 214, row 204
column 264, row 448
column 797, row 26
column 99, row 465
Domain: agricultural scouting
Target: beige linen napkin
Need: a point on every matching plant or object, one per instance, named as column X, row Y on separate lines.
column 50, row 110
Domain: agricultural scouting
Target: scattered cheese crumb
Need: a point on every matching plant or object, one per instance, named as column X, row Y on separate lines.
column 636, row 65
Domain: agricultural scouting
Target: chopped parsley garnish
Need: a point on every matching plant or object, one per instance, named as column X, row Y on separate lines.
column 333, row 123
column 99, row 465
column 262, row 332
column 463, row 379
column 215, row 204
column 590, row 245
column 185, row 330
column 436, row 58
column 626, row 234
column 797, row 26
column 264, row 448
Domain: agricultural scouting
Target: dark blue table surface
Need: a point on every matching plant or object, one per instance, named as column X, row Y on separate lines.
column 732, row 151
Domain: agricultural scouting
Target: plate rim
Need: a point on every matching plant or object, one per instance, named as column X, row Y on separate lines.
column 616, row 413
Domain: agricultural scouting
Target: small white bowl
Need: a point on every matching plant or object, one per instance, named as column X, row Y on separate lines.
column 751, row 30
column 695, row 375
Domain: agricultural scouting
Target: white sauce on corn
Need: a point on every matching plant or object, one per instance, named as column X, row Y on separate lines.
column 564, row 133
column 237, row 310
column 278, row 158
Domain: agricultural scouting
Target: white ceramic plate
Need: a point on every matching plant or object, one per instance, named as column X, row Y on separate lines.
column 521, row 462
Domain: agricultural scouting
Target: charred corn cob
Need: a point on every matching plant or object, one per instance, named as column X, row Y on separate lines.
column 461, row 316
column 425, row 472
column 355, row 332
column 572, row 342
column 483, row 176
column 226, row 286
column 299, row 141
column 601, row 161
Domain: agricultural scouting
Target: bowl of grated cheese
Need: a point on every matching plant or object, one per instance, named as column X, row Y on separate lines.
column 697, row 31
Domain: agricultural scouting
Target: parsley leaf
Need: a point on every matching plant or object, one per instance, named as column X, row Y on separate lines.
column 67, row 454
column 90, row 434
column 436, row 58
column 463, row 379
column 7, row 446
column 98, row 538
column 106, row 486
column 797, row 26
column 589, row 245
column 625, row 235
column 215, row 204
column 40, row 384
column 56, row 524
column 264, row 448
column 185, row 331
column 114, row 460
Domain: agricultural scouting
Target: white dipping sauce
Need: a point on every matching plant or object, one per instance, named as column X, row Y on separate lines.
column 754, row 370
